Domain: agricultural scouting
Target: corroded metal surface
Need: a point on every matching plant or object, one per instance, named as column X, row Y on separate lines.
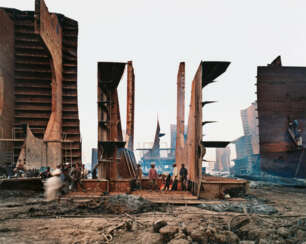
column 180, row 117
column 114, row 160
column 34, row 152
column 194, row 147
column 218, row 187
column 130, row 114
column 281, row 99
column 36, row 93
column 48, row 27
column 194, row 136
column 109, row 122
column 7, row 67
column 71, row 150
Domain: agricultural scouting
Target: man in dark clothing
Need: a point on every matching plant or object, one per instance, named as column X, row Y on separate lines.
column 94, row 173
column 167, row 183
column 183, row 175
column 76, row 178
column 138, row 176
column 45, row 174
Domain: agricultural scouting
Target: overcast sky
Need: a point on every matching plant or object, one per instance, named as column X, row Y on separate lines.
column 157, row 35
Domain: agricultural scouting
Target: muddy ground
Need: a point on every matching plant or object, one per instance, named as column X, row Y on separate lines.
column 267, row 215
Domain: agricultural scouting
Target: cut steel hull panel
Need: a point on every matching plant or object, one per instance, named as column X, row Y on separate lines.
column 33, row 74
column 194, row 147
column 284, row 164
column 7, row 67
column 281, row 99
column 114, row 161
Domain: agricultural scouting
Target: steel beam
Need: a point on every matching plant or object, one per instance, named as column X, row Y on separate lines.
column 180, row 118
column 194, row 135
column 130, row 115
column 48, row 27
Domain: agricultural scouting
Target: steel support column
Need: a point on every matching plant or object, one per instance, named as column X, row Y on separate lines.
column 180, row 118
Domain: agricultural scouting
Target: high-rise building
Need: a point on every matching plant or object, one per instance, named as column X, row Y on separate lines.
column 250, row 126
column 94, row 158
column 223, row 159
column 247, row 146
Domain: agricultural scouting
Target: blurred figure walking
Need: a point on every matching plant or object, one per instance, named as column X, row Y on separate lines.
column 153, row 176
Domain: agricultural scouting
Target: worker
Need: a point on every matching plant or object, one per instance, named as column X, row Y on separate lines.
column 299, row 139
column 20, row 168
column 167, row 183
column 175, row 176
column 45, row 174
column 153, row 176
column 94, row 173
column 65, row 177
column 295, row 126
column 53, row 184
column 138, row 176
column 84, row 172
column 76, row 178
column 183, row 176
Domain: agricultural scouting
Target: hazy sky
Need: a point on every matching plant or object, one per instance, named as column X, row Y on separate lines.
column 158, row 34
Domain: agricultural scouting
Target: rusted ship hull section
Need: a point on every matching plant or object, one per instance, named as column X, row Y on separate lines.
column 284, row 164
column 194, row 135
column 194, row 148
column 7, row 69
column 114, row 160
column 281, row 100
column 45, row 81
column 48, row 27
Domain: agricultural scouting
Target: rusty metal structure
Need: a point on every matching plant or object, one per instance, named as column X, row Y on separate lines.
column 130, row 117
column 39, row 81
column 114, row 160
column 195, row 147
column 180, row 117
column 281, row 101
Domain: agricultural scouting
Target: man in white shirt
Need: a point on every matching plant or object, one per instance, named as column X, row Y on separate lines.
column 175, row 177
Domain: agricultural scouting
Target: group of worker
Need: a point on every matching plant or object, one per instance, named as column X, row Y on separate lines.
column 62, row 179
column 166, row 178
